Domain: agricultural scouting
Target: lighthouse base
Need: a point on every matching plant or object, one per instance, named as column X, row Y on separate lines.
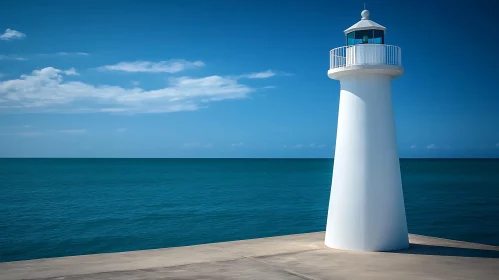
column 400, row 245
column 366, row 209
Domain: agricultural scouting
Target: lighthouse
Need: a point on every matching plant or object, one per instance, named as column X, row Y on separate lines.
column 366, row 207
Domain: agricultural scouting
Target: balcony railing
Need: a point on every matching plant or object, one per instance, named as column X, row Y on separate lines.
column 365, row 54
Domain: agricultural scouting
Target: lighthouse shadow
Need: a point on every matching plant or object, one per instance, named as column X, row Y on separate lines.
column 423, row 249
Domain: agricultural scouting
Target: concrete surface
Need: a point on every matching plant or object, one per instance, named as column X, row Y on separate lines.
column 301, row 256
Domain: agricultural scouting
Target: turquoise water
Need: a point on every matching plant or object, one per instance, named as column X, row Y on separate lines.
column 61, row 207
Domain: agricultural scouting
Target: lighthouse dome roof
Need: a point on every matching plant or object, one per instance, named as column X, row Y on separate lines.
column 365, row 24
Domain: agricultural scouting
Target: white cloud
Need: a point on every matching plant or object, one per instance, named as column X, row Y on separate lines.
column 413, row 146
column 71, row 72
column 46, row 91
column 11, row 57
column 71, row 53
column 240, row 144
column 170, row 66
column 263, row 75
column 11, row 34
column 268, row 87
column 64, row 54
column 431, row 146
column 121, row 130
column 73, row 131
column 27, row 126
column 259, row 75
column 135, row 83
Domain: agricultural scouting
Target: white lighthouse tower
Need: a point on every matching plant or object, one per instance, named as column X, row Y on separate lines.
column 366, row 208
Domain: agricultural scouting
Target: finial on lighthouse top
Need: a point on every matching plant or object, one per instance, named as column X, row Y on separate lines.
column 365, row 14
column 365, row 23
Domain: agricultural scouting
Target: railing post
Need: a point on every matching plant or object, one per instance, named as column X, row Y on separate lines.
column 400, row 57
column 332, row 58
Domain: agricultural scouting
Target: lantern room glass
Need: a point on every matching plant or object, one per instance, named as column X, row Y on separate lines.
column 369, row 36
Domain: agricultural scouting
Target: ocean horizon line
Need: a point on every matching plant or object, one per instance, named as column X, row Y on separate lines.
column 276, row 158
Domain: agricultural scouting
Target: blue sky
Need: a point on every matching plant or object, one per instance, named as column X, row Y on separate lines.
column 234, row 78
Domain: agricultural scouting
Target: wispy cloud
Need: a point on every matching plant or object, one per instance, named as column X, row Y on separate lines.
column 30, row 133
column 259, row 75
column 71, row 53
column 263, row 75
column 431, row 146
column 135, row 83
column 22, row 58
column 11, row 57
column 47, row 132
column 121, row 130
column 413, row 146
column 196, row 145
column 46, row 91
column 26, row 134
column 169, row 66
column 236, row 145
column 62, row 54
column 11, row 34
column 310, row 146
column 317, row 146
column 73, row 131
column 497, row 145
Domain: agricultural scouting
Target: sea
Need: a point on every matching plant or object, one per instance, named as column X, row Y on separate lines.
column 64, row 207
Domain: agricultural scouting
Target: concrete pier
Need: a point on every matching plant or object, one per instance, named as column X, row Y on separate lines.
column 301, row 256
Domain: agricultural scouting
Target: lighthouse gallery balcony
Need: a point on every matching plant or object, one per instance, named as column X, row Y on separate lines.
column 371, row 57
